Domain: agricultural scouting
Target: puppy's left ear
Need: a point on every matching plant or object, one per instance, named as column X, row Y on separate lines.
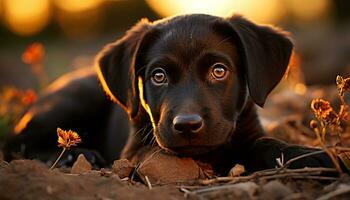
column 266, row 54
column 116, row 68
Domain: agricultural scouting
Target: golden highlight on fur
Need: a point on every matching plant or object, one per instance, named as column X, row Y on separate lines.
column 143, row 102
column 106, row 88
column 22, row 124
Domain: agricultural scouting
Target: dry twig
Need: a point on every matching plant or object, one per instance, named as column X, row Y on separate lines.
column 148, row 183
column 272, row 174
column 289, row 162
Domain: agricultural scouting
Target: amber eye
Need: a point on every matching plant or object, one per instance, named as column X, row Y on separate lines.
column 159, row 76
column 219, row 71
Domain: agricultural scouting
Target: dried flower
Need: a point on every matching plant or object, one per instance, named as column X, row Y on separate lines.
column 10, row 93
column 29, row 97
column 343, row 85
column 343, row 112
column 331, row 117
column 237, row 170
column 313, row 124
column 34, row 54
column 323, row 111
column 329, row 120
column 66, row 139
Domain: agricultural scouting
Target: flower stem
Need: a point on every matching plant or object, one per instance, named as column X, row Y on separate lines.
column 59, row 157
column 327, row 150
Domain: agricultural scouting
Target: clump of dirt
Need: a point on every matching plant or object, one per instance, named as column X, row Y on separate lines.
column 163, row 168
column 122, row 168
column 81, row 165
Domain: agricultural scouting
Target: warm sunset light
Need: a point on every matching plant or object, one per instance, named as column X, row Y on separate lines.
column 309, row 9
column 26, row 17
column 77, row 5
column 79, row 18
column 1, row 11
column 267, row 11
column 260, row 11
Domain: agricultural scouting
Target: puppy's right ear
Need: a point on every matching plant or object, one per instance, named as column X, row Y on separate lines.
column 116, row 70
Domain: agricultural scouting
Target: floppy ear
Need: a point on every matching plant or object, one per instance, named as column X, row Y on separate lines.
column 266, row 54
column 116, row 68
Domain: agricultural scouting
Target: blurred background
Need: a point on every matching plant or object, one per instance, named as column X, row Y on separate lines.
column 73, row 31
column 42, row 39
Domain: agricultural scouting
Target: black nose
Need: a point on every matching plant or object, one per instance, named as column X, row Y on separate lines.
column 188, row 123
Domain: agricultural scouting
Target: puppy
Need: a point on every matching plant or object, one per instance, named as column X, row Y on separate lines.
column 189, row 85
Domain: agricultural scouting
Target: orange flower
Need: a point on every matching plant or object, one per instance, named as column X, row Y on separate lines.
column 343, row 85
column 34, row 54
column 29, row 97
column 10, row 93
column 324, row 112
column 313, row 124
column 66, row 139
column 321, row 108
column 343, row 112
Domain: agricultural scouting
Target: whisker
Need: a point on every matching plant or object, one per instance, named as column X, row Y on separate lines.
column 141, row 130
column 149, row 157
column 153, row 141
column 144, row 139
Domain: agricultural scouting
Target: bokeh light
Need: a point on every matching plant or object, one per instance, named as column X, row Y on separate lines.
column 79, row 19
column 308, row 10
column 1, row 10
column 266, row 11
column 26, row 17
column 77, row 5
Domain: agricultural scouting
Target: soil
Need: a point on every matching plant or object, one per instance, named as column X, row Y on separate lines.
column 31, row 179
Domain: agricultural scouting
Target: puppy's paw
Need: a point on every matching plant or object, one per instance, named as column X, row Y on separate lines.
column 266, row 150
column 316, row 160
column 93, row 157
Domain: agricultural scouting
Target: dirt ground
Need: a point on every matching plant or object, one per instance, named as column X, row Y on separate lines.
column 30, row 179
column 26, row 179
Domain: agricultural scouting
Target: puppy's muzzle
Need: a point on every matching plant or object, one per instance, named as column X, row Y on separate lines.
column 188, row 123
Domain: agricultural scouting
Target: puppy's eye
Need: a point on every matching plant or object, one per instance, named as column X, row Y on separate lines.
column 219, row 71
column 159, row 76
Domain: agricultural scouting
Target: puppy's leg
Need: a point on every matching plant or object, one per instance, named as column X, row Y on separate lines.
column 265, row 150
column 75, row 101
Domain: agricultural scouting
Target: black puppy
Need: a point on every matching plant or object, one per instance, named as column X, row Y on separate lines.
column 189, row 85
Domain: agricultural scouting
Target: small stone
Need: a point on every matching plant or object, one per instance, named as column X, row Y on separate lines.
column 81, row 165
column 249, row 187
column 122, row 168
column 49, row 189
column 237, row 170
column 275, row 190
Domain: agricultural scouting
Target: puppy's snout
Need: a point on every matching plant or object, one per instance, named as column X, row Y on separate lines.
column 188, row 123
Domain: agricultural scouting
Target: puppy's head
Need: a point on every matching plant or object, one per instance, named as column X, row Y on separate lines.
column 192, row 75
